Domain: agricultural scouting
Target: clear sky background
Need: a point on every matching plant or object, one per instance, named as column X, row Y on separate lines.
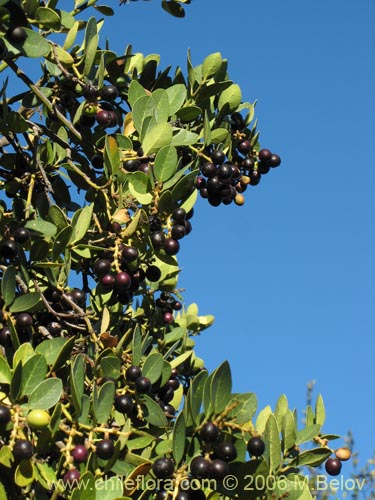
column 290, row 275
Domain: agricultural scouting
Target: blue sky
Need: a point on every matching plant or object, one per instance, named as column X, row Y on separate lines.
column 290, row 275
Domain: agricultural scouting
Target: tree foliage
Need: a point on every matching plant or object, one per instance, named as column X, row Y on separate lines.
column 102, row 159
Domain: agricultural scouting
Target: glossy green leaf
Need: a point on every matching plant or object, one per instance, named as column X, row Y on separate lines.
column 313, row 457
column 176, row 97
column 157, row 137
column 221, row 387
column 183, row 137
column 320, row 413
column 81, row 223
column 35, row 45
column 189, row 113
column 179, row 436
column 61, row 242
column 50, row 349
column 273, row 446
column 152, row 367
column 165, row 163
column 34, row 372
column 77, row 382
column 245, row 408
column 46, row 394
column 152, row 412
column 137, row 345
column 103, row 408
column 194, row 397
column 23, row 353
column 308, row 433
column 57, row 217
column 211, row 65
column 8, row 285
column 111, row 366
column 135, row 92
column 288, row 429
column 27, row 302
column 63, row 354
column 44, row 228
column 15, row 383
column 5, row 372
column 47, row 18
column 230, row 98
column 281, row 409
column 91, row 45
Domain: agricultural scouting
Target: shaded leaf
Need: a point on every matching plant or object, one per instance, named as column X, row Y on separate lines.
column 46, row 394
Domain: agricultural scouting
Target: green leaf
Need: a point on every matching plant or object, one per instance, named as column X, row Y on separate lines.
column 86, row 489
column 23, row 353
column 313, row 457
column 35, row 45
column 8, row 285
column 34, row 372
column 245, row 410
column 219, row 135
column 111, row 155
column 273, row 446
column 308, row 433
column 165, row 163
column 6, row 458
column 47, row 18
column 281, row 408
column 81, row 223
column 221, row 387
column 140, row 187
column 157, row 137
column 45, row 474
column 63, row 354
column 152, row 412
column 24, row 474
column 27, row 302
column 110, row 489
column 230, row 98
column 111, row 366
column 39, row 250
column 135, row 92
column 17, row 123
column 189, row 113
column 194, row 397
column 91, row 45
column 137, row 345
column 161, row 106
column 46, row 394
column 153, row 366
column 206, row 129
column 176, row 97
column 46, row 229
column 184, row 187
column 104, row 404
column 77, row 381
column 184, row 137
column 211, row 65
column 50, row 349
column 320, row 413
column 288, row 430
column 15, row 384
column 179, row 436
column 5, row 371
column 61, row 242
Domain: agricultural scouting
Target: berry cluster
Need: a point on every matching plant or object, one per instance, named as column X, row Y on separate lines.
column 333, row 465
column 167, row 305
column 169, row 240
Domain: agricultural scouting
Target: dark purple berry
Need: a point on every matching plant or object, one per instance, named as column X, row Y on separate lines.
column 209, row 432
column 333, row 466
column 217, row 157
column 105, row 449
column 54, row 328
column 71, row 478
column 21, row 235
column 108, row 281
column 8, row 249
column 5, row 336
column 80, row 453
column 264, row 155
column 131, row 165
column 132, row 373
column 122, row 282
column 173, row 383
column 163, row 467
column 24, row 320
column 168, row 318
column 244, row 147
column 166, row 394
column 143, row 385
column 178, row 231
column 274, row 161
column 219, row 469
column 153, row 273
column 129, row 254
column 16, row 35
column 208, row 169
column 102, row 267
column 124, row 403
column 179, row 215
column 200, row 467
column 109, row 93
column 157, row 239
column 5, row 415
column 171, row 246
column 90, row 92
column 23, row 449
column 226, row 451
column 256, row 446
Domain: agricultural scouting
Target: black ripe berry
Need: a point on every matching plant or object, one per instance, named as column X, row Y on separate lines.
column 24, row 320
column 4, row 336
column 131, row 165
column 163, row 467
column 106, row 118
column 179, row 214
column 157, row 239
column 264, row 155
column 274, row 161
column 153, row 273
column 129, row 254
column 80, row 453
column 90, row 92
column 200, row 467
column 105, row 449
column 8, row 249
column 166, row 394
column 4, row 415
column 244, row 147
column 122, row 282
column 132, row 373
column 173, row 383
column 107, row 281
column 16, row 35
column 182, row 495
column 208, row 169
column 21, row 235
column 178, row 231
column 124, row 403
column 71, row 477
column 143, row 385
column 23, row 449
column 102, row 267
column 217, row 157
column 209, row 432
column 256, row 446
column 219, row 469
column 333, row 466
column 109, row 93
column 171, row 246
column 226, row 451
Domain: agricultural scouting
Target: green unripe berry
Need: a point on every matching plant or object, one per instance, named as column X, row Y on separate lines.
column 38, row 419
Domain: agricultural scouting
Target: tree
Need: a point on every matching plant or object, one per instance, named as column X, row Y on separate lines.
column 102, row 159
